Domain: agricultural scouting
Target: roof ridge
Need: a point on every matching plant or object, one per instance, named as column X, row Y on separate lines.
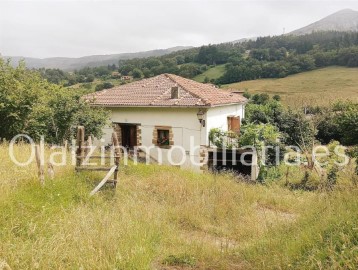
column 161, row 94
column 206, row 101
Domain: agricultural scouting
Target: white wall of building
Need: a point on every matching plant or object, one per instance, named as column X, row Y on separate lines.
column 216, row 117
column 184, row 124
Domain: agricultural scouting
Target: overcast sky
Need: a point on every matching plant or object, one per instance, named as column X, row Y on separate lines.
column 79, row 28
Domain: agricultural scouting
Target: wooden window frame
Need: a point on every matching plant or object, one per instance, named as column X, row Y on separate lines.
column 156, row 131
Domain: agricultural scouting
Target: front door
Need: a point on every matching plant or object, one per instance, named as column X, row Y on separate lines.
column 129, row 135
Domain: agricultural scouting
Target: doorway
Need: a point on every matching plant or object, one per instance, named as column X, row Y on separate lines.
column 129, row 135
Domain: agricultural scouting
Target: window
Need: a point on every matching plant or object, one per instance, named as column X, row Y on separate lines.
column 233, row 124
column 163, row 137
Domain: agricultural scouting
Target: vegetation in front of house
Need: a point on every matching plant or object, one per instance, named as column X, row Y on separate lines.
column 302, row 127
column 269, row 124
column 162, row 217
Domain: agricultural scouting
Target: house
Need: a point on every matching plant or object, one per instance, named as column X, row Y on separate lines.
column 115, row 75
column 126, row 78
column 169, row 117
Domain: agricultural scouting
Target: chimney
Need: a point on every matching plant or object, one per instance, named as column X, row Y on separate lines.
column 175, row 92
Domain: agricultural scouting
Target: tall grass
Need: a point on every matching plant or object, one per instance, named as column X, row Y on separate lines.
column 166, row 218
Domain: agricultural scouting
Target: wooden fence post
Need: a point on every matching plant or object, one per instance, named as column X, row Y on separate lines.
column 116, row 156
column 50, row 170
column 88, row 145
column 40, row 165
column 80, row 143
column 254, row 167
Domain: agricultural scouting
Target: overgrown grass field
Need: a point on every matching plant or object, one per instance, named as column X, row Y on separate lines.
column 167, row 218
column 317, row 87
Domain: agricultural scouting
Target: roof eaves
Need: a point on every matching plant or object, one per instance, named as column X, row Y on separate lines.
column 227, row 104
column 149, row 106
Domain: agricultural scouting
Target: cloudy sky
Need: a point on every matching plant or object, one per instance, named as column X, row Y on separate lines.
column 78, row 28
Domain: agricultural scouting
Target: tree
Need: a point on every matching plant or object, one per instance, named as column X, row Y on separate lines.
column 137, row 73
column 180, row 59
column 208, row 55
column 152, row 62
column 260, row 99
column 328, row 129
column 189, row 70
column 124, row 70
column 69, row 111
column 296, row 128
column 90, row 78
column 347, row 121
column 263, row 137
column 33, row 106
column 260, row 54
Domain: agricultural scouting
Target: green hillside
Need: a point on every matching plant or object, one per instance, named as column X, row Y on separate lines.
column 318, row 87
column 212, row 73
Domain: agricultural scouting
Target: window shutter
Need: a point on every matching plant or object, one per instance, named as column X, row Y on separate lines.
column 229, row 123
column 235, row 124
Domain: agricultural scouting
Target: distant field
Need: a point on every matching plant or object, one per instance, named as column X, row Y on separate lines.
column 318, row 87
column 211, row 73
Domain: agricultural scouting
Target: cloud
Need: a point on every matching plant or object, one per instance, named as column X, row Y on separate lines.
column 78, row 28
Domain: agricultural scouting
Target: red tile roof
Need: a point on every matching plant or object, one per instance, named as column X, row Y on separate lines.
column 156, row 92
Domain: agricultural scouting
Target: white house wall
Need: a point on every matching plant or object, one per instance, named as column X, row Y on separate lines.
column 216, row 117
column 184, row 124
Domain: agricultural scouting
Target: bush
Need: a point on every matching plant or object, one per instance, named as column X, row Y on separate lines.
column 137, row 73
column 269, row 112
column 221, row 139
column 296, row 127
column 276, row 97
column 105, row 85
column 347, row 121
column 328, row 129
column 260, row 136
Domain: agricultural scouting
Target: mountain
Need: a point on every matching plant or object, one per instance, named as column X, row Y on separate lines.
column 67, row 63
column 343, row 20
column 242, row 40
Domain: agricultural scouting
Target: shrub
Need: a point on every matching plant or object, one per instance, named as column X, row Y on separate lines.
column 105, row 85
column 221, row 139
column 276, row 97
column 328, row 129
column 332, row 178
column 347, row 121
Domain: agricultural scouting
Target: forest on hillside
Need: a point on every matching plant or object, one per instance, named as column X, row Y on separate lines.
column 266, row 57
